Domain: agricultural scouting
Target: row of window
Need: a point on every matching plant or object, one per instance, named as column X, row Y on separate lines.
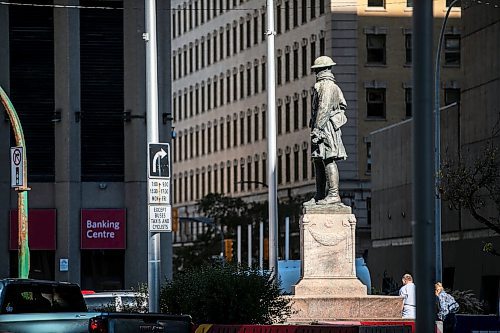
column 214, row 47
column 239, row 176
column 376, row 53
column 196, row 13
column 409, row 3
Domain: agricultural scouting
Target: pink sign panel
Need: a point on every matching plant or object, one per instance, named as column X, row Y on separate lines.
column 41, row 229
column 103, row 229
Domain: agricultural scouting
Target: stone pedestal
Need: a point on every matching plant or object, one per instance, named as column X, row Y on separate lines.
column 329, row 288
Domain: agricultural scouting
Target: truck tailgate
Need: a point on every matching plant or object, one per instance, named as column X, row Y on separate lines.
column 144, row 322
column 46, row 322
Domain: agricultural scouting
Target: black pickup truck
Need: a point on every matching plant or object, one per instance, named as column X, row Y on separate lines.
column 36, row 306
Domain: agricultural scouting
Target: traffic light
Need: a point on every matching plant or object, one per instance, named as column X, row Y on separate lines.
column 175, row 219
column 228, row 249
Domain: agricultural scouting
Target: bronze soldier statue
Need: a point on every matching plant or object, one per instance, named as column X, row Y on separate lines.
column 327, row 117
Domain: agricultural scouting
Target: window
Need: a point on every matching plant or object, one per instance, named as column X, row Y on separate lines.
column 287, row 15
column 191, row 102
column 263, row 25
column 209, row 141
column 228, row 125
column 209, row 96
column 278, row 70
column 196, row 57
column 185, row 146
column 288, row 172
column 295, row 64
column 185, row 62
column 190, row 8
column 368, row 157
column 249, row 128
column 408, row 99
column 203, row 140
column 375, row 103
column 313, row 52
column 256, row 173
column 408, row 48
column 228, row 43
column 280, row 169
column 174, row 68
column 256, row 79
column 242, row 130
column 209, row 51
column 303, row 11
column 304, row 61
column 242, row 176
column 235, row 85
column 235, row 132
column 264, row 171
column 313, row 9
column 216, row 181
column 242, row 46
column 249, row 34
column 221, row 135
column 242, row 85
column 296, row 165
column 179, row 138
column 295, row 13
column 451, row 95
column 278, row 19
column 179, row 113
column 287, row 67
column 321, row 7
column 196, row 13
column 375, row 49
column 197, row 143
column 280, row 117
column 197, row 194
column 173, row 25
column 409, row 3
column 304, row 111
column 215, row 48
column 249, row 81
column 228, row 183
column 256, row 127
column 255, row 30
column 296, row 114
column 216, row 139
column 376, row 3
column 202, row 98
column 221, row 90
column 186, row 191
column 287, row 116
column 322, row 49
column 222, row 178
column 203, row 188
column 235, row 170
column 452, row 50
column 235, row 40
column 209, row 181
column 264, row 124
column 228, row 89
column 202, row 54
column 222, row 47
column 202, row 11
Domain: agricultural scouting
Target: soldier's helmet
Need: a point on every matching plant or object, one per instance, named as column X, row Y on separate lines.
column 323, row 61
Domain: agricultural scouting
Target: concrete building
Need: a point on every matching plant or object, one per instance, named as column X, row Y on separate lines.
column 77, row 79
column 466, row 130
column 219, row 93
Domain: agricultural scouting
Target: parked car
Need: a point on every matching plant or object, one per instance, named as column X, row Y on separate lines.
column 116, row 301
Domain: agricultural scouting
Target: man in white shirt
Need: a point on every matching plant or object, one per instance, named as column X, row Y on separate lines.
column 408, row 293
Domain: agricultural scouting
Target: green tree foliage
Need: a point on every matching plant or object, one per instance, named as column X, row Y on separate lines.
column 225, row 294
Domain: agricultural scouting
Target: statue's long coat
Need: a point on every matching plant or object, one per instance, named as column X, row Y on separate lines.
column 328, row 115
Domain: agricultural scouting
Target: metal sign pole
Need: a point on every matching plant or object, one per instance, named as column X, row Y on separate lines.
column 152, row 137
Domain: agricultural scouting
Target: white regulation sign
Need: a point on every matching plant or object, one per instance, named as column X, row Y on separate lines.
column 160, row 218
column 158, row 191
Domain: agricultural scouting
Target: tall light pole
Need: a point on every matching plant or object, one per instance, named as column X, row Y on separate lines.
column 271, row 143
column 437, row 148
column 149, row 36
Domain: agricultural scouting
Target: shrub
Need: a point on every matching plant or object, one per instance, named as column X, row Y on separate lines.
column 469, row 304
column 225, row 294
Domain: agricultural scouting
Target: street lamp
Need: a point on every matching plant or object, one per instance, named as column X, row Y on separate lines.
column 437, row 149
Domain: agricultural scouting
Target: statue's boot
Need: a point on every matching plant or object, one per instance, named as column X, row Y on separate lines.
column 319, row 168
column 332, row 175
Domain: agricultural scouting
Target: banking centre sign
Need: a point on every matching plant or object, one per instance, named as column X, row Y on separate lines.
column 103, row 229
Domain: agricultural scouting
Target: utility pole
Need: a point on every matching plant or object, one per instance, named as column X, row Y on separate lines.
column 423, row 168
column 149, row 36
column 271, row 143
column 22, row 191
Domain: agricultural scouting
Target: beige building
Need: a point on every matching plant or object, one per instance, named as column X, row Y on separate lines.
column 219, row 93
column 466, row 130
